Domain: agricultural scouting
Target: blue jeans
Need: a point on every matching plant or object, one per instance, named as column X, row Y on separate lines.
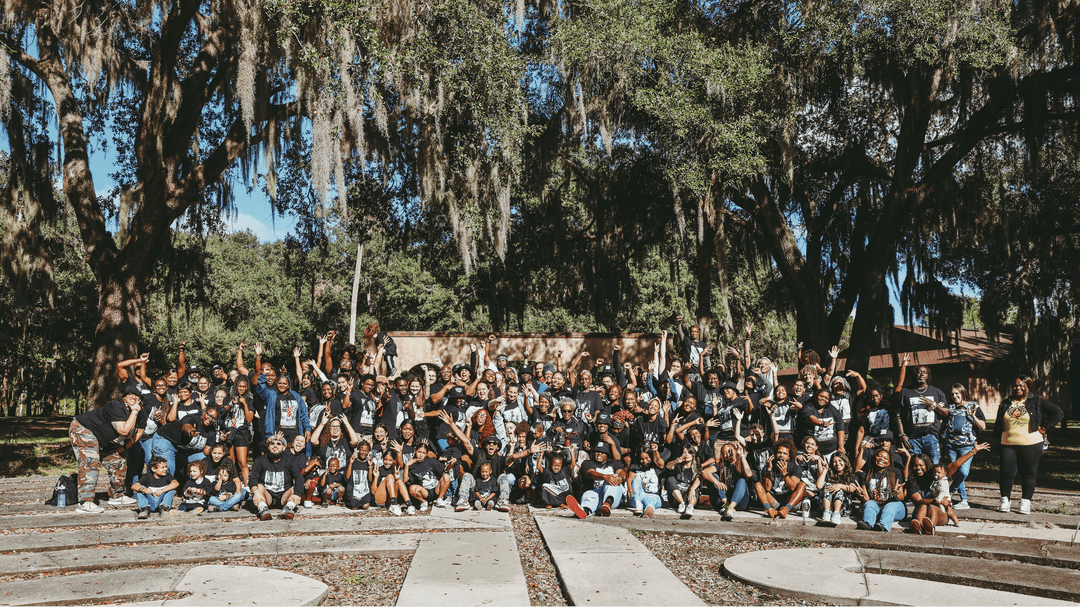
column 892, row 512
column 592, row 499
column 154, row 502
column 229, row 503
column 929, row 444
column 957, row 481
column 162, row 448
column 642, row 500
column 740, row 494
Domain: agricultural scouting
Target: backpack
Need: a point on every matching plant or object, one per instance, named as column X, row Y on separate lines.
column 71, row 488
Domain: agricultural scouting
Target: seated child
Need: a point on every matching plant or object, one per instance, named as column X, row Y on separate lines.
column 332, row 483
column 312, row 470
column 682, row 485
column 359, row 475
column 155, row 490
column 386, row 486
column 941, row 493
column 557, row 482
column 645, row 485
column 485, row 490
column 197, row 489
column 221, row 472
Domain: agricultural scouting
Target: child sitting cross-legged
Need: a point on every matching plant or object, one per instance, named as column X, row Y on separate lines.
column 155, row 489
column 197, row 489
column 485, row 490
column 332, row 483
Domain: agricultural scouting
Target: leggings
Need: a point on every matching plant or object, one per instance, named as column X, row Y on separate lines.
column 1024, row 459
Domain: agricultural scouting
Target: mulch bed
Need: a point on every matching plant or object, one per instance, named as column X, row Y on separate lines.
column 540, row 575
column 697, row 561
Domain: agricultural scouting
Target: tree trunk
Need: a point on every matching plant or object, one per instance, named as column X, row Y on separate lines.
column 355, row 292
column 120, row 301
column 873, row 316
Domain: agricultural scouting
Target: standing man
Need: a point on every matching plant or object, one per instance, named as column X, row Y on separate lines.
column 921, row 412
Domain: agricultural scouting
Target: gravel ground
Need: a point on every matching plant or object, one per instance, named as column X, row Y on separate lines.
column 353, row 580
column 696, row 562
column 540, row 575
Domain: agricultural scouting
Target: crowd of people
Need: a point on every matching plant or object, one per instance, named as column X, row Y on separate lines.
column 488, row 432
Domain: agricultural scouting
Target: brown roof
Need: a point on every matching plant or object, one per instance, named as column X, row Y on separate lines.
column 928, row 348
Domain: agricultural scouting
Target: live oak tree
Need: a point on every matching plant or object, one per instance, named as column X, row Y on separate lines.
column 195, row 95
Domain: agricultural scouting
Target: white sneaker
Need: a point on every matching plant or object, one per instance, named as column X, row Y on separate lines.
column 395, row 509
column 682, row 508
column 309, row 504
column 1005, row 507
column 689, row 510
column 423, row 506
column 1025, row 506
column 122, row 501
column 443, row 502
column 961, row 505
column 411, row 510
column 89, row 508
column 826, row 517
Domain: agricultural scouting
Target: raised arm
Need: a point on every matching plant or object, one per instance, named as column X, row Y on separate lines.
column 181, row 360
column 746, row 345
column 860, row 380
column 319, row 356
column 328, row 359
column 240, row 358
column 663, row 355
column 122, row 367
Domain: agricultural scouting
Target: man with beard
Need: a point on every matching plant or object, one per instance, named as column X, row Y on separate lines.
column 275, row 482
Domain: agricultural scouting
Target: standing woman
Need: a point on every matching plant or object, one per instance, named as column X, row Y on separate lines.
column 958, row 437
column 1022, row 423
column 99, row 437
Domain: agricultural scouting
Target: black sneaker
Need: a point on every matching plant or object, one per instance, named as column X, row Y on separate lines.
column 144, row 513
column 863, row 525
column 880, row 527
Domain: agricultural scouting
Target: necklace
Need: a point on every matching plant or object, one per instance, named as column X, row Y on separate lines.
column 924, row 389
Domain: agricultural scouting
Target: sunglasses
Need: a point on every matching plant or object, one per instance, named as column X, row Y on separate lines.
column 276, row 442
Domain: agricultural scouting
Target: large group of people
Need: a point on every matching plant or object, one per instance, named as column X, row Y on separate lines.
column 487, row 432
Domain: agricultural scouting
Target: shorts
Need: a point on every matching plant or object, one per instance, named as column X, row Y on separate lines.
column 275, row 500
column 239, row 437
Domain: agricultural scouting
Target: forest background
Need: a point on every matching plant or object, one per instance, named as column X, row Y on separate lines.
column 587, row 165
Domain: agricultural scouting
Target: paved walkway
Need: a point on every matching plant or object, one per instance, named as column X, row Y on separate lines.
column 472, row 557
column 602, row 566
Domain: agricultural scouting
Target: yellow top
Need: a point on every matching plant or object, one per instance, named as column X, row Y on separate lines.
column 1016, row 430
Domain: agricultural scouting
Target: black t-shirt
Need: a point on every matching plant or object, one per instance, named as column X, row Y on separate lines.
column 359, row 483
column 191, row 407
column 826, row 436
column 919, row 418
column 334, row 477
column 779, row 485
column 611, row 466
column 150, row 481
column 174, row 433
column 277, row 476
column 485, row 488
column 226, row 469
column 339, row 449
column 195, row 493
column 573, row 431
column 362, row 412
column 646, row 431
column 426, row 473
column 393, row 414
column 561, row 480
column 726, row 430
column 100, row 422
column 877, row 482
column 587, row 402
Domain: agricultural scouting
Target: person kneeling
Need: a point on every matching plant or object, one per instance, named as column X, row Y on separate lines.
column 607, row 476
column 275, row 481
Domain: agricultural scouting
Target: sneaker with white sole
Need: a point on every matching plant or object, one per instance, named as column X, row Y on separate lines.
column 961, row 505
column 89, row 508
column 395, row 509
column 309, row 504
column 689, row 511
column 411, row 510
column 503, row 506
column 682, row 508
column 804, row 507
column 1025, row 507
column 423, row 506
column 122, row 501
column 1005, row 506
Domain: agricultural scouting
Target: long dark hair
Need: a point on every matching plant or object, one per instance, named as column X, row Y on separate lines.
column 890, row 473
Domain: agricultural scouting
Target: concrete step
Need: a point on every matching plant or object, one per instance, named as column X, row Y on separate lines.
column 88, row 559
column 599, row 565
column 465, row 569
column 840, row 576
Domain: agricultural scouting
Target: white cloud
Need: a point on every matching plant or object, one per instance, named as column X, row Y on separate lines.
column 243, row 221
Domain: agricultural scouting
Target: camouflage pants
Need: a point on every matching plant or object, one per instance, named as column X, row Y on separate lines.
column 88, row 453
